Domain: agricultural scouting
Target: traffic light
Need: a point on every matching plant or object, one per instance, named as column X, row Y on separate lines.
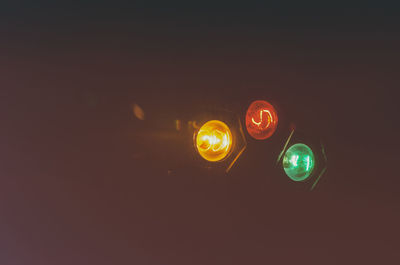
column 218, row 138
column 261, row 119
column 214, row 141
column 298, row 162
column 303, row 158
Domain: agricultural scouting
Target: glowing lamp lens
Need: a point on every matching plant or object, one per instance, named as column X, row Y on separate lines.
column 298, row 162
column 261, row 120
column 214, row 140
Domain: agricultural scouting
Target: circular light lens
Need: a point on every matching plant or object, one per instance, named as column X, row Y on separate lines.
column 298, row 162
column 214, row 140
column 261, row 120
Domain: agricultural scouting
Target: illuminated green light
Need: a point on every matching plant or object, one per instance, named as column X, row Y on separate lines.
column 298, row 162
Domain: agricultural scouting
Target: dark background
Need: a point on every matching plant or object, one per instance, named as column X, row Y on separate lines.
column 85, row 182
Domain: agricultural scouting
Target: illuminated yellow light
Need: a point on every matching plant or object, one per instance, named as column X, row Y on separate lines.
column 214, row 140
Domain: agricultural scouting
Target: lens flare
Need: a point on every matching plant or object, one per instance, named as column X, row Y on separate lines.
column 214, row 140
column 261, row 119
column 298, row 162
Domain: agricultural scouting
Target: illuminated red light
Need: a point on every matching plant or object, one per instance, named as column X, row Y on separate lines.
column 261, row 119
